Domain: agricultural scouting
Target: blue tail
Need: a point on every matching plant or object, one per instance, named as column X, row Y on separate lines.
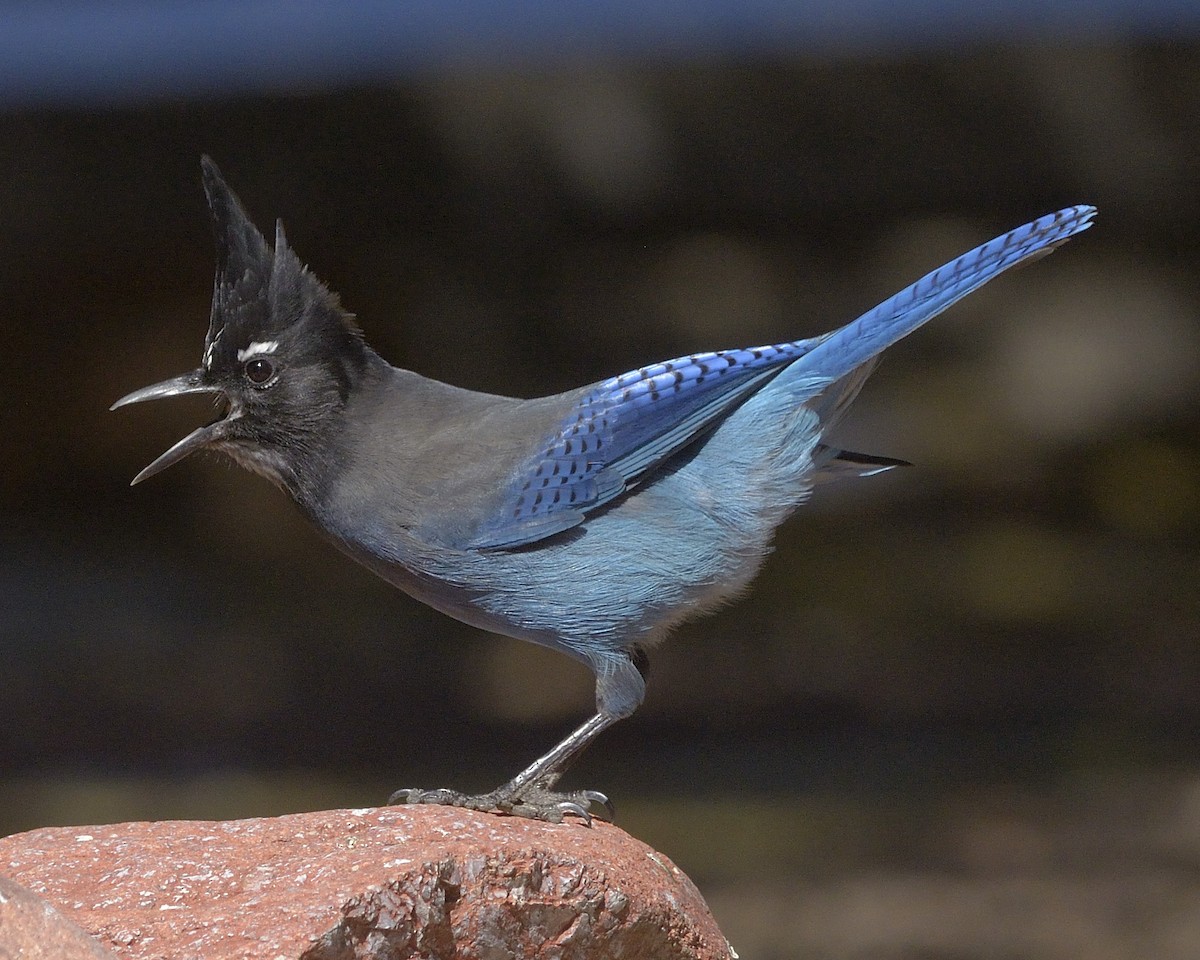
column 858, row 341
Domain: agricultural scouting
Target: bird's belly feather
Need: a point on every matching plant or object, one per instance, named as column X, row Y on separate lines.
column 672, row 548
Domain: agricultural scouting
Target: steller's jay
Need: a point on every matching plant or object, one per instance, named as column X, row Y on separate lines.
column 592, row 521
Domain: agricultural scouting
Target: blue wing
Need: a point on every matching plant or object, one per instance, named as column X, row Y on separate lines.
column 629, row 424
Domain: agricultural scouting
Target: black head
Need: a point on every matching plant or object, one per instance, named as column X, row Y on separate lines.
column 281, row 354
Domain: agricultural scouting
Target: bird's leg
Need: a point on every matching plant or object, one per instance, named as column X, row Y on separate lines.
column 620, row 686
column 530, row 793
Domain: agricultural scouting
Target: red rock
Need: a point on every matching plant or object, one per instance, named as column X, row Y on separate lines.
column 33, row 930
column 383, row 884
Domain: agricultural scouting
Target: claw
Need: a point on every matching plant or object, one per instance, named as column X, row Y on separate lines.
column 595, row 796
column 417, row 795
column 566, row 807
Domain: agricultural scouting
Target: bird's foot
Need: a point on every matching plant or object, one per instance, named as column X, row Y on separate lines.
column 534, row 802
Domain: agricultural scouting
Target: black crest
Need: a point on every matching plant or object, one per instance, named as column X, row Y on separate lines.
column 259, row 292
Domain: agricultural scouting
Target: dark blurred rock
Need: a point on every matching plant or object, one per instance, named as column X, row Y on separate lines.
column 31, row 929
column 358, row 884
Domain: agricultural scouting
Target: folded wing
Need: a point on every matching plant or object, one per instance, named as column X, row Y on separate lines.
column 626, row 426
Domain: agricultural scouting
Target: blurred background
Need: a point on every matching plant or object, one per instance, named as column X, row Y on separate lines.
column 957, row 716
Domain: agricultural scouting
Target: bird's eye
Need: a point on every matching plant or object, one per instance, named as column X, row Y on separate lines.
column 259, row 370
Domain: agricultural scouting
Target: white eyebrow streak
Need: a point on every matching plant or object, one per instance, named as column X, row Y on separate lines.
column 257, row 347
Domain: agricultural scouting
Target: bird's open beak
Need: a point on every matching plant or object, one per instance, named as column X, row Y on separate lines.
column 193, row 382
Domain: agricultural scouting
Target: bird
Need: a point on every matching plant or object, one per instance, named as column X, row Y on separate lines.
column 592, row 521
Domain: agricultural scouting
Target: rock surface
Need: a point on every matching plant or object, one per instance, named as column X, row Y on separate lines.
column 382, row 884
column 31, row 929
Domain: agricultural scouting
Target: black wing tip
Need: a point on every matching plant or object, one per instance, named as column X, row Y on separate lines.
column 869, row 460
